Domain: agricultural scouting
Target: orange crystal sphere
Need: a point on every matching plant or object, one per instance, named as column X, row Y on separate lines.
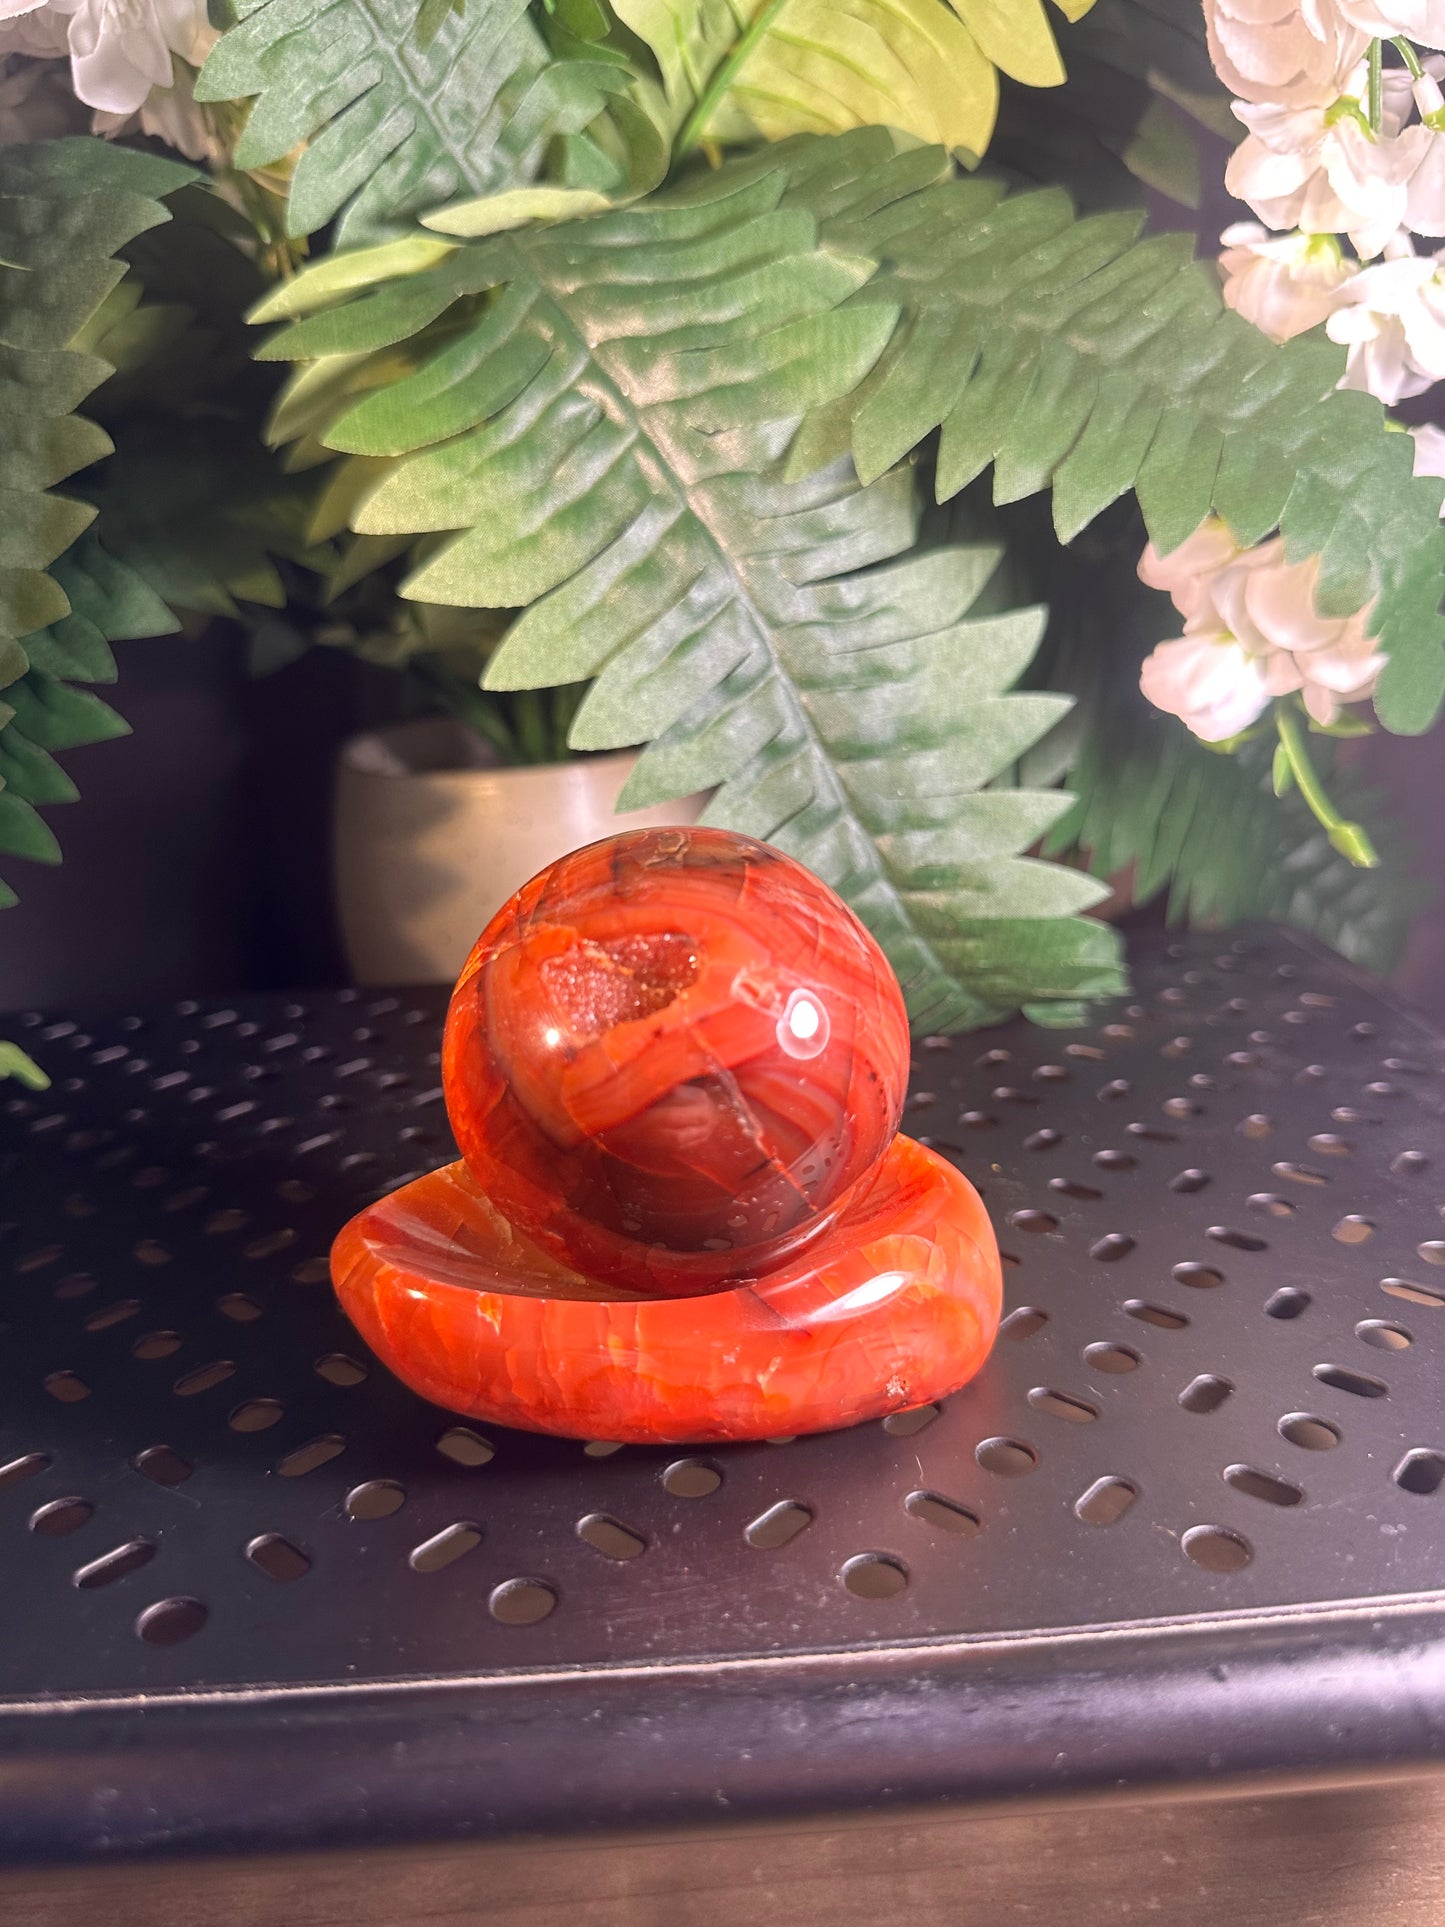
column 672, row 1058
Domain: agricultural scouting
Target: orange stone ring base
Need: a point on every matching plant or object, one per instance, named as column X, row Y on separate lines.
column 894, row 1305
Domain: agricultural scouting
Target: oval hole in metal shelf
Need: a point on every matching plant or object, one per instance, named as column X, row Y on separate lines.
column 1149, row 1134
column 945, row 1515
column 463, row 1446
column 1109, row 1249
column 521, row 1602
column 1353, row 1230
column 1261, row 1485
column 1224, row 1234
column 311, row 1271
column 111, row 1566
column 1420, row 1471
column 1106, row 1501
column 162, row 1466
column 603, row 1448
column 1255, row 1126
column 1031, row 1220
column 1431, row 1296
column 316, row 1452
column 1344, row 1379
column 1010, row 1458
column 609, row 1536
column 1044, row 1140
column 1384, row 1335
column 1071, row 1188
column 1206, row 1393
column 170, row 1621
column 339, row 1368
column 61, row 1516
column 444, row 1548
column 153, row 1345
column 1327, row 1145
column 1115, row 1161
column 375, row 1499
column 109, row 1315
column 1272, row 1204
column 1077, row 1411
column 779, row 1525
column 277, row 1557
column 874, row 1575
column 1297, row 1173
column 1409, row 1164
column 240, row 1309
column 25, row 1467
column 1115, row 1360
column 1432, row 1251
column 1201, row 1277
column 1287, row 1302
column 1160, row 1316
column 691, row 1479
column 1311, row 1434
column 1216, row 1548
column 255, row 1415
column 68, row 1387
column 902, row 1425
column 1189, row 1181
column 1023, row 1323
column 204, row 1378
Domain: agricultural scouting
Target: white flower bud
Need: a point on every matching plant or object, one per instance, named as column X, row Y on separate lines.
column 1428, row 97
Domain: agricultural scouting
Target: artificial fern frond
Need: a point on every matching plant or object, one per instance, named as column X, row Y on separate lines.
column 1207, row 832
column 1139, row 73
column 731, row 70
column 1070, row 355
column 395, row 122
column 42, row 710
column 67, row 208
column 589, row 418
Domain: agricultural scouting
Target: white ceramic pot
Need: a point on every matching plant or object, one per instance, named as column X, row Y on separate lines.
column 431, row 837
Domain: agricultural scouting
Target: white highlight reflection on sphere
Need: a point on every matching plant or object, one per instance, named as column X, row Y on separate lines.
column 803, row 1028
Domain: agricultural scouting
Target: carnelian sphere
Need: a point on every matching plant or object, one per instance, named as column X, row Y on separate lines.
column 671, row 1058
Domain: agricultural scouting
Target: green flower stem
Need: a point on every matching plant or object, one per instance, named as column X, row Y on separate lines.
column 1410, row 57
column 1374, row 109
column 1348, row 838
column 14, row 1063
column 691, row 133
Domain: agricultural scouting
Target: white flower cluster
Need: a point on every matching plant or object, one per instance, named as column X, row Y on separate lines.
column 125, row 62
column 1320, row 161
column 1338, row 148
column 1251, row 633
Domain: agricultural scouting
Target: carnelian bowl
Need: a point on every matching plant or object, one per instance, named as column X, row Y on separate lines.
column 895, row 1305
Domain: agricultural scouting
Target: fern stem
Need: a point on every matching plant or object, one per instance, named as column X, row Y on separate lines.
column 692, row 128
column 1348, row 838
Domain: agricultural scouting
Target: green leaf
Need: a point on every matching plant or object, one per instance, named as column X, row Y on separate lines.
column 394, row 122
column 41, row 711
column 1069, row 355
column 14, row 1063
column 67, row 209
column 733, row 70
column 586, row 421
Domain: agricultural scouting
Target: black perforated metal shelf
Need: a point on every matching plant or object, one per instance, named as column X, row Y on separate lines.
column 1218, row 1401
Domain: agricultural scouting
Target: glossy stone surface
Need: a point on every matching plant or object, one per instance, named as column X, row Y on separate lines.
column 671, row 1056
column 675, row 1064
column 894, row 1305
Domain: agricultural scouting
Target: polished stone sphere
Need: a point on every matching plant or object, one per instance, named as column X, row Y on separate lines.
column 672, row 1057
